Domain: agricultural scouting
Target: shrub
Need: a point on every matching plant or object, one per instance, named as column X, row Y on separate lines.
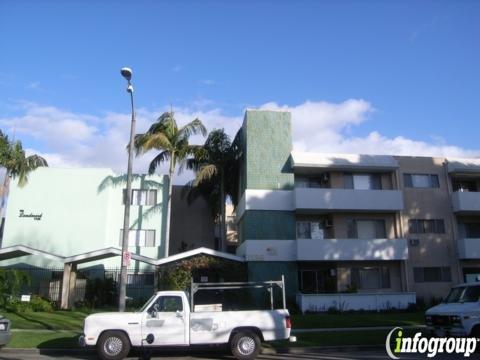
column 11, row 282
column 35, row 304
column 101, row 292
column 39, row 304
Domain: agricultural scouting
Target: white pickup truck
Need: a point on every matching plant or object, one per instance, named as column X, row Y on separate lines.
column 167, row 319
column 458, row 314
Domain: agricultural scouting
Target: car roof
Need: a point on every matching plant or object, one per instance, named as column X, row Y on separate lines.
column 476, row 283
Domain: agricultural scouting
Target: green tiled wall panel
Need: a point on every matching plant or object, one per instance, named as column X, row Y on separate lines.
column 264, row 225
column 268, row 147
column 273, row 270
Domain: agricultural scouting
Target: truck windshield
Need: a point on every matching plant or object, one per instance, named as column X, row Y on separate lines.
column 142, row 309
column 463, row 294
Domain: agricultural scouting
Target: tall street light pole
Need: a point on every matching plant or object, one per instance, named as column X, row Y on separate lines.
column 127, row 74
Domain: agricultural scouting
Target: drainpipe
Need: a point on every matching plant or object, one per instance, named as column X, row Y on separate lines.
column 453, row 218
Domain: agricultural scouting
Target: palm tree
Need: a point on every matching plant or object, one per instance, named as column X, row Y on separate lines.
column 17, row 165
column 216, row 176
column 165, row 136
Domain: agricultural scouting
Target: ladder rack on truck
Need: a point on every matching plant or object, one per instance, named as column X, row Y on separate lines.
column 268, row 285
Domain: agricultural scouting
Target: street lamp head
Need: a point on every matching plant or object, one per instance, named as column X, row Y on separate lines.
column 126, row 73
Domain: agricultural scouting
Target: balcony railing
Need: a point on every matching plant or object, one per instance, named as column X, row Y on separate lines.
column 355, row 301
column 466, row 201
column 351, row 249
column 312, row 199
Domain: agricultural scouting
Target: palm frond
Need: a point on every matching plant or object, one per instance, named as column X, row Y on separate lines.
column 205, row 173
column 192, row 128
column 157, row 160
column 34, row 161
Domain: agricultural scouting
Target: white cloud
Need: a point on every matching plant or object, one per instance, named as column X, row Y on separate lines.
column 68, row 139
column 82, row 140
column 328, row 127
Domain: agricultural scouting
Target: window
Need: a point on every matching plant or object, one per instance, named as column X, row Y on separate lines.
column 421, row 180
column 142, row 238
column 168, row 304
column 432, row 274
column 142, row 197
column 317, row 281
column 310, row 230
column 471, row 230
column 370, row 278
column 362, row 181
column 318, row 181
column 366, row 229
column 426, row 226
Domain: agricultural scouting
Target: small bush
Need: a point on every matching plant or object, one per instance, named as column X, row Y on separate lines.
column 39, row 304
column 35, row 304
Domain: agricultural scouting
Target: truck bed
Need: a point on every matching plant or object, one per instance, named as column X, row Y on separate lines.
column 214, row 327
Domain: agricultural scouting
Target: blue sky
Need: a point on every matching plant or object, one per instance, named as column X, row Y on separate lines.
column 384, row 76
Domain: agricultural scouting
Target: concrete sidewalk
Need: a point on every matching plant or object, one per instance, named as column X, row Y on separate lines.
column 366, row 328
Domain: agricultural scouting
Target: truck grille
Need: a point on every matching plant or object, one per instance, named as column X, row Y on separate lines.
column 441, row 320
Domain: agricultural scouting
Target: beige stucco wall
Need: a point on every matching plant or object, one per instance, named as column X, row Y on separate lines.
column 435, row 203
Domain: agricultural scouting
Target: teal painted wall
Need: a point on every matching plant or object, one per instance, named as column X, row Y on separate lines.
column 268, row 144
column 268, row 225
column 77, row 217
column 273, row 270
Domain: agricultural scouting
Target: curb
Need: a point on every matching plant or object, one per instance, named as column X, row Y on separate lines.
column 266, row 351
column 320, row 349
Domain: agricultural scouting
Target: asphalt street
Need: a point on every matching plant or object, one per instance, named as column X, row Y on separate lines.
column 186, row 355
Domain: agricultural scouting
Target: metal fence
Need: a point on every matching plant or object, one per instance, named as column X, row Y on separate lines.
column 93, row 286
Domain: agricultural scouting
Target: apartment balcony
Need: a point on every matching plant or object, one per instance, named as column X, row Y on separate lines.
column 466, row 201
column 469, row 248
column 319, row 200
column 351, row 249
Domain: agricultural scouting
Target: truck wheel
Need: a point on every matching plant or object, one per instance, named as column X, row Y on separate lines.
column 245, row 345
column 113, row 345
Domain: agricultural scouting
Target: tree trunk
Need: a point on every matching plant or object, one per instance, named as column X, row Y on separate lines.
column 169, row 205
column 223, row 228
column 3, row 205
column 6, row 183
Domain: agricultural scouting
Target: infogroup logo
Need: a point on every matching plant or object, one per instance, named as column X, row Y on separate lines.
column 430, row 346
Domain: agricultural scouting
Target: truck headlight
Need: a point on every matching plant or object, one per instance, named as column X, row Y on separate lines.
column 3, row 326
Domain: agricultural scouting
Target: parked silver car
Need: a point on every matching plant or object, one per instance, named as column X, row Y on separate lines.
column 5, row 331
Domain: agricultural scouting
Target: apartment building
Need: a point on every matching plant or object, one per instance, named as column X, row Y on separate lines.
column 67, row 212
column 354, row 231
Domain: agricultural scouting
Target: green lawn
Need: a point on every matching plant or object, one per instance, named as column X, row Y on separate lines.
column 57, row 320
column 73, row 320
column 311, row 321
column 42, row 340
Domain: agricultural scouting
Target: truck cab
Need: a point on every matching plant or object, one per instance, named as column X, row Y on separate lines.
column 458, row 314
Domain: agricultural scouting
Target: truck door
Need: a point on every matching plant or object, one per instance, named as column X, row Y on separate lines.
column 167, row 321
